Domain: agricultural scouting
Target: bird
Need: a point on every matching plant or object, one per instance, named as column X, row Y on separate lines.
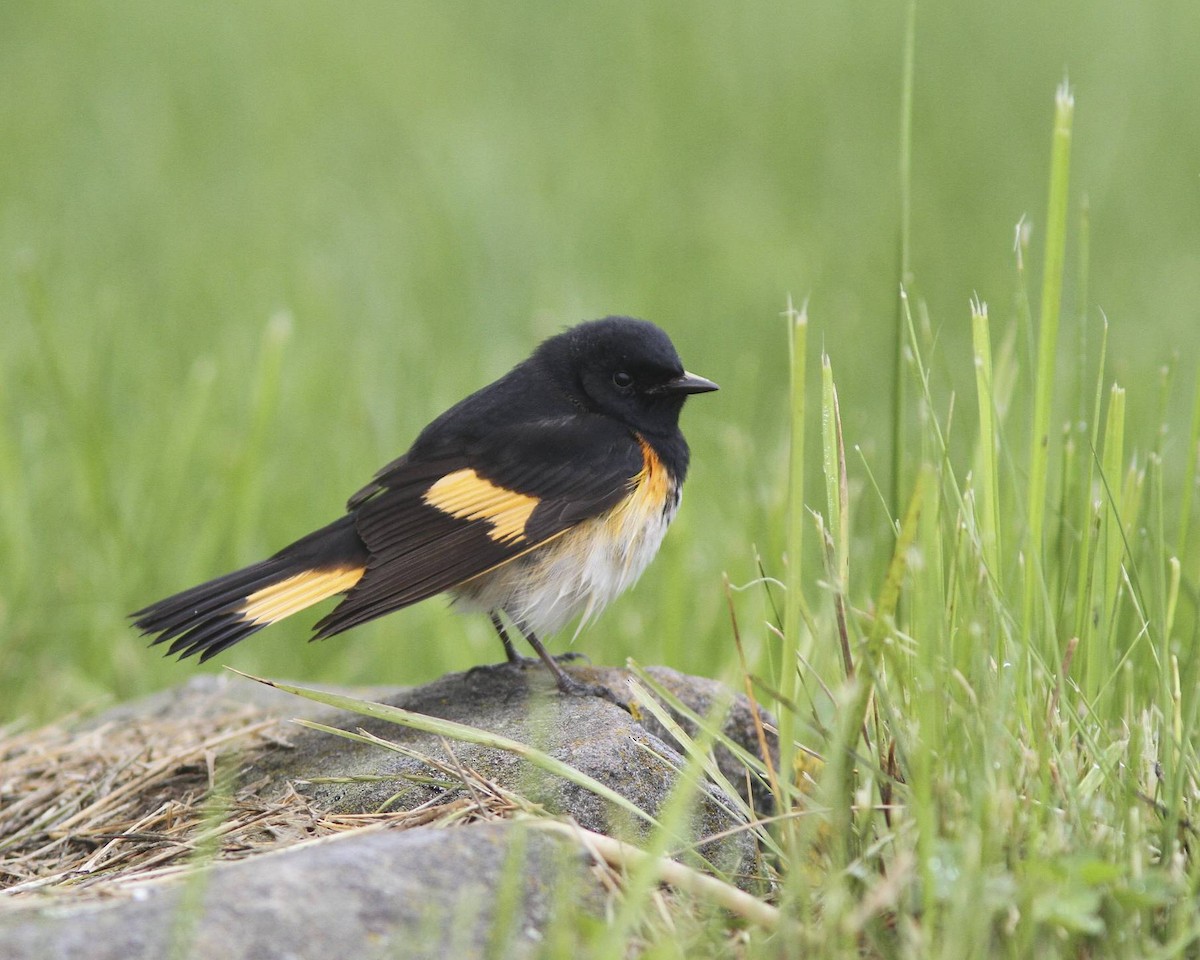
column 535, row 500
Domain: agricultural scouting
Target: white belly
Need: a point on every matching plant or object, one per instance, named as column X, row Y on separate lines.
column 579, row 572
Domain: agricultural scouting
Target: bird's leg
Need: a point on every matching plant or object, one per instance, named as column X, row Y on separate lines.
column 515, row 658
column 566, row 683
column 509, row 650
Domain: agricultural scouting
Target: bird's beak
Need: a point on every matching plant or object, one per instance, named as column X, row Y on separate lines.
column 688, row 383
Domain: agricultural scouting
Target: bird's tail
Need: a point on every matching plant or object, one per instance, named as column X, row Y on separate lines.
column 215, row 615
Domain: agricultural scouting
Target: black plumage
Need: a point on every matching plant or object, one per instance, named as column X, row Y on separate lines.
column 555, row 452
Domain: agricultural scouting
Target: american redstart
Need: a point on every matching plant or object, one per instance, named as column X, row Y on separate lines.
column 540, row 497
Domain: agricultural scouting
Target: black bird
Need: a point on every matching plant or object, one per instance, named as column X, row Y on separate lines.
column 540, row 497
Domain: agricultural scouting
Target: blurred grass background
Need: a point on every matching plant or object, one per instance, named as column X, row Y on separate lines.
column 246, row 252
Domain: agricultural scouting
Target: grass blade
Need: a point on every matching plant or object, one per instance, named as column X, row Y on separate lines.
column 788, row 682
column 1047, row 354
column 988, row 476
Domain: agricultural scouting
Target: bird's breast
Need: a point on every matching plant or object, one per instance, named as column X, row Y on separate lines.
column 584, row 569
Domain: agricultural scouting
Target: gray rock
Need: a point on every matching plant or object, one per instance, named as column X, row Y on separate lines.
column 596, row 737
column 425, row 891
column 413, row 893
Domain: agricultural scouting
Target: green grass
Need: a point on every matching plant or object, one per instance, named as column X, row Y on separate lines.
column 245, row 254
column 997, row 785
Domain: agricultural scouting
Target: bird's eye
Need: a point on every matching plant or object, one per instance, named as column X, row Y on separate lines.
column 622, row 380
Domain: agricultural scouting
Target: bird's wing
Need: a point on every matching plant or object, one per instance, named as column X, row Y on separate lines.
column 429, row 526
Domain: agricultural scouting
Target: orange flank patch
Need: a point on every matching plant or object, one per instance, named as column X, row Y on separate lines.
column 639, row 515
column 653, row 482
column 466, row 495
column 294, row 594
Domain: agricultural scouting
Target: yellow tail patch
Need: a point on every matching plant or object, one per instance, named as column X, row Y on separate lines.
column 282, row 599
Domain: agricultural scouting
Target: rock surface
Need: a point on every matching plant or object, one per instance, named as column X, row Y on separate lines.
column 596, row 737
column 411, row 893
column 423, row 891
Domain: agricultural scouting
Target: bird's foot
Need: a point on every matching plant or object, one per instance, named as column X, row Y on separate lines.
column 578, row 688
column 518, row 662
column 566, row 683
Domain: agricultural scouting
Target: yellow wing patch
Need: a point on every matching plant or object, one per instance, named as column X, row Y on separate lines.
column 467, row 496
column 294, row 594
